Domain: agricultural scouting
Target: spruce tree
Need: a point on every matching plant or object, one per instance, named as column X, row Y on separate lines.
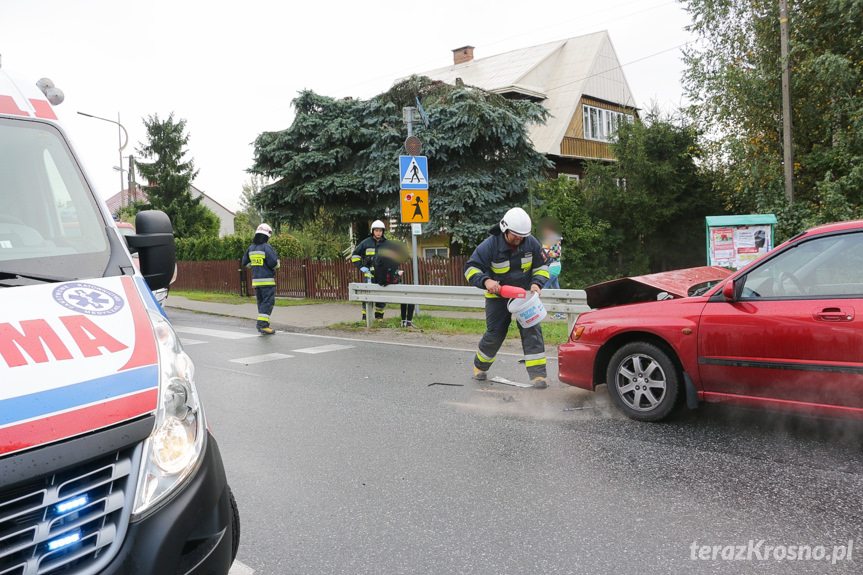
column 170, row 178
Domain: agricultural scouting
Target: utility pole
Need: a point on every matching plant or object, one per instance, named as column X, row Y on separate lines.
column 131, row 179
column 787, row 140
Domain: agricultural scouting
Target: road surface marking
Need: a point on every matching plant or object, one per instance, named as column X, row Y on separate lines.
column 214, row 332
column 260, row 358
column 323, row 348
column 191, row 341
column 239, row 569
column 375, row 341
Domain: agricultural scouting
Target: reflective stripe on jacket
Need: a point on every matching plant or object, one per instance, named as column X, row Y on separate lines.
column 264, row 261
column 495, row 259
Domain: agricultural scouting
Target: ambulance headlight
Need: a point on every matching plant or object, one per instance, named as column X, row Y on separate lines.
column 173, row 451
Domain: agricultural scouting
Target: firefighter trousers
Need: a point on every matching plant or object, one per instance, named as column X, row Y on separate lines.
column 497, row 320
column 266, row 300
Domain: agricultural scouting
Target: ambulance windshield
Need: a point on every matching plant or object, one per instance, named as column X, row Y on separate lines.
column 50, row 225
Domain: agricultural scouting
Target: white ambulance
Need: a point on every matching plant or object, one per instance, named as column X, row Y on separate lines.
column 106, row 461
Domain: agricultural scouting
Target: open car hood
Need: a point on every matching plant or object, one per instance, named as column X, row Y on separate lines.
column 666, row 285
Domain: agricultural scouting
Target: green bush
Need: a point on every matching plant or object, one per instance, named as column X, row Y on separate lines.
column 231, row 247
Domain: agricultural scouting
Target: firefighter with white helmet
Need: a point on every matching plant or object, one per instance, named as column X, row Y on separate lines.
column 510, row 256
column 264, row 261
column 364, row 257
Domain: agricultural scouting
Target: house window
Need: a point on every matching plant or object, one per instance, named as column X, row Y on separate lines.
column 435, row 252
column 572, row 177
column 601, row 124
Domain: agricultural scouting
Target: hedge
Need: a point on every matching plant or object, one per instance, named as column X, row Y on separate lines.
column 231, row 247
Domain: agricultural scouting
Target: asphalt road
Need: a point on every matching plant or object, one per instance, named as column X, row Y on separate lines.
column 344, row 459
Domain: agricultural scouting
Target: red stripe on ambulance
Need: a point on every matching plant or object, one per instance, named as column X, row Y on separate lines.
column 144, row 352
column 43, row 109
column 69, row 424
column 8, row 106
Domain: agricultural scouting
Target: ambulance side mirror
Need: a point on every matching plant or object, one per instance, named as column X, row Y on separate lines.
column 154, row 242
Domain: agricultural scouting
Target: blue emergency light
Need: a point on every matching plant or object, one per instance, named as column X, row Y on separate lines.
column 64, row 541
column 71, row 504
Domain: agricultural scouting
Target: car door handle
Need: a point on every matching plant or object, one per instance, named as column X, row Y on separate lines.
column 835, row 314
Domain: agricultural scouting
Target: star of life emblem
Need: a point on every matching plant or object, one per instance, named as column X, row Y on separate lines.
column 88, row 299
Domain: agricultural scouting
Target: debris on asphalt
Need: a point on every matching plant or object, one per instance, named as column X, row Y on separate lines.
column 505, row 381
column 578, row 408
column 450, row 384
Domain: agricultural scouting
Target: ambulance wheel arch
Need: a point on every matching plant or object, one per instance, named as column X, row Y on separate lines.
column 154, row 243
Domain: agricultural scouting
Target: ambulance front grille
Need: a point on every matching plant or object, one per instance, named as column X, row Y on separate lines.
column 64, row 523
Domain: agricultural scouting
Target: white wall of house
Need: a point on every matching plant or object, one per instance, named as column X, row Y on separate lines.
column 226, row 216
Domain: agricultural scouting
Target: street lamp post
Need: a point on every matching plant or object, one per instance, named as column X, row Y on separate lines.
column 120, row 142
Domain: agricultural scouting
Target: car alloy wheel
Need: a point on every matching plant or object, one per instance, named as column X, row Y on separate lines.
column 643, row 381
column 640, row 382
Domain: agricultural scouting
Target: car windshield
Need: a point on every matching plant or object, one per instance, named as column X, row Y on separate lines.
column 50, row 225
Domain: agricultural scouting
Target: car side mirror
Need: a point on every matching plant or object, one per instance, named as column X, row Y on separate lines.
column 729, row 291
column 154, row 242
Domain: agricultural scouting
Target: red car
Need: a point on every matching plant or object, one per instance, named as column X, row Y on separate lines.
column 782, row 333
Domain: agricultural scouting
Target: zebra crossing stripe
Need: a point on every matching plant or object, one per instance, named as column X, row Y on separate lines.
column 260, row 358
column 213, row 332
column 239, row 569
column 323, row 348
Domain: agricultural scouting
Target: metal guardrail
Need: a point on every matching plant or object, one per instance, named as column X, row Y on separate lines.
column 569, row 301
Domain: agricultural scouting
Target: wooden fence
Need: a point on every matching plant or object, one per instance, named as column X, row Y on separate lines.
column 307, row 278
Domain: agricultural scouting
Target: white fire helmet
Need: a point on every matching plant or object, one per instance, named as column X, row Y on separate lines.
column 517, row 221
column 378, row 225
column 264, row 229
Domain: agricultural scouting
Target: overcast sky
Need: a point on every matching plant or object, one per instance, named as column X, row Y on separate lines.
column 231, row 69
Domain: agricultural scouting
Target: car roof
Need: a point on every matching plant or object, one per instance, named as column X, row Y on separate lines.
column 835, row 227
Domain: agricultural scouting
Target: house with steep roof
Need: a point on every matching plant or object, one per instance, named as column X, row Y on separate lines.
column 226, row 216
column 579, row 80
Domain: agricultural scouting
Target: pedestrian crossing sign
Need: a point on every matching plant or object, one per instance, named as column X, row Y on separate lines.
column 414, row 172
column 415, row 206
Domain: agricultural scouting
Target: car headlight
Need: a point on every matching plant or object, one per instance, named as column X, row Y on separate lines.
column 173, row 451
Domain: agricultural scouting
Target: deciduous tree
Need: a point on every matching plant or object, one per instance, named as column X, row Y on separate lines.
column 733, row 79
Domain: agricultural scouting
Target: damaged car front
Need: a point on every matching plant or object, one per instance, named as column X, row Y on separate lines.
column 658, row 310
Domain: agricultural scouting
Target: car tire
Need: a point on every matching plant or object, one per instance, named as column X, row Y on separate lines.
column 235, row 525
column 643, row 381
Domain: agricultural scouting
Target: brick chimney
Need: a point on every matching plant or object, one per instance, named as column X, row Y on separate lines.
column 462, row 55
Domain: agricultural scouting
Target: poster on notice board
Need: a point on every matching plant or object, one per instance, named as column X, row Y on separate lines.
column 737, row 246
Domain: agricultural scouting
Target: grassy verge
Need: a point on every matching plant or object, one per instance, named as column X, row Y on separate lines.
column 233, row 299
column 555, row 332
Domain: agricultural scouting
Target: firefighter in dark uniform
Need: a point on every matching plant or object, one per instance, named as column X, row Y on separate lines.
column 364, row 259
column 264, row 261
column 510, row 257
